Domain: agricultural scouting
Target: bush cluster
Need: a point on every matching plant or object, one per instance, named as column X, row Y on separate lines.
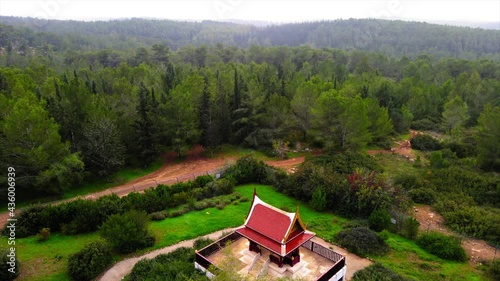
column 201, row 243
column 332, row 182
column 423, row 195
column 379, row 220
column 425, row 143
column 43, row 235
column 410, row 228
column 362, row 241
column 127, row 232
column 377, row 272
column 250, row 170
column 443, row 246
column 424, row 124
column 82, row 216
column 494, row 269
column 176, row 265
column 5, row 274
column 90, row 261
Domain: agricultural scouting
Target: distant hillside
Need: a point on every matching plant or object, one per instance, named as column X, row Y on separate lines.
column 394, row 38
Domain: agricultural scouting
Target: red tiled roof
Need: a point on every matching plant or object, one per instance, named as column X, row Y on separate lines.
column 273, row 245
column 298, row 241
column 260, row 239
column 269, row 222
column 274, row 229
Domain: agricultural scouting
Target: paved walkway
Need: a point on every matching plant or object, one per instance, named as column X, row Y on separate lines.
column 124, row 267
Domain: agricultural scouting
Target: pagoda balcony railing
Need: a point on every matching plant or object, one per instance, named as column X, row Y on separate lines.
column 201, row 255
column 336, row 258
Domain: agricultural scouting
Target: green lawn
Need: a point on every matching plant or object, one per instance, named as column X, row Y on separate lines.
column 48, row 260
column 408, row 259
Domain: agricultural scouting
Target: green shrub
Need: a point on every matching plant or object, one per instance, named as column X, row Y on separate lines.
column 423, row 195
column 425, row 143
column 377, row 272
column 410, row 228
column 30, row 221
column 475, row 221
column 355, row 223
column 158, row 216
column 461, row 149
column 384, row 234
column 424, row 125
column 200, row 205
column 247, row 170
column 179, row 212
column 86, row 216
column 128, row 232
column 90, row 261
column 201, row 181
column 409, row 181
column 437, row 161
column 318, row 201
column 202, row 243
column 244, row 199
column 347, row 163
column 379, row 220
column 494, row 269
column 5, row 265
column 43, row 235
column 362, row 241
column 176, row 265
column 443, row 246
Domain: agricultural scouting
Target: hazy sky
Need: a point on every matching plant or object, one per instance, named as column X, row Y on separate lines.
column 265, row 10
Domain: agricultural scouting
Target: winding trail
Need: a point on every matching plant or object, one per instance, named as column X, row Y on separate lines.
column 124, row 267
column 477, row 250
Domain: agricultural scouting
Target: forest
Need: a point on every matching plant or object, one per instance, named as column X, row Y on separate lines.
column 83, row 100
column 393, row 38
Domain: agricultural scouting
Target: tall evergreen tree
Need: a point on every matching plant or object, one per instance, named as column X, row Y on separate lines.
column 144, row 128
column 209, row 127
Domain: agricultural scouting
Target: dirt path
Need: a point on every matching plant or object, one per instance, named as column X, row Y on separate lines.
column 477, row 250
column 402, row 148
column 124, row 267
column 171, row 172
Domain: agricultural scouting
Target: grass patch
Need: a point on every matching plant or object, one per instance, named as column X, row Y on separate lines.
column 395, row 164
column 48, row 260
column 409, row 260
column 197, row 223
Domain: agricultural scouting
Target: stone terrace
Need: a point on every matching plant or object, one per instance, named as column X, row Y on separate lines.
column 311, row 266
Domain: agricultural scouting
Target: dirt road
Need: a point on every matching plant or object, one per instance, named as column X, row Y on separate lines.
column 124, row 267
column 477, row 250
column 171, row 172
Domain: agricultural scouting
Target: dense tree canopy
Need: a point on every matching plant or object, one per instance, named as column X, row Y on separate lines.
column 65, row 110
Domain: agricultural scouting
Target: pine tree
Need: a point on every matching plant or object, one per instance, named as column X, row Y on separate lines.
column 144, row 128
column 210, row 136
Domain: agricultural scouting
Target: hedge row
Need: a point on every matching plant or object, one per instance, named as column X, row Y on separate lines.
column 82, row 216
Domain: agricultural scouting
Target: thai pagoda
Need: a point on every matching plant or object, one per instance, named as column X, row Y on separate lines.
column 274, row 243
